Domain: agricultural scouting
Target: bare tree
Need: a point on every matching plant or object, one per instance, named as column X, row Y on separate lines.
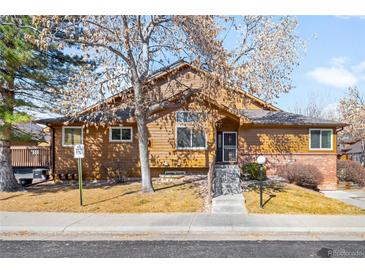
column 313, row 107
column 352, row 111
column 127, row 49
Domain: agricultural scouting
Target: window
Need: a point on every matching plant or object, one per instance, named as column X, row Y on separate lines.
column 72, row 136
column 120, row 134
column 188, row 116
column 189, row 138
column 320, row 139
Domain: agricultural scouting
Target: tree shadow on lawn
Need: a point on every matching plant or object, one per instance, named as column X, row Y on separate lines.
column 157, row 189
column 47, row 188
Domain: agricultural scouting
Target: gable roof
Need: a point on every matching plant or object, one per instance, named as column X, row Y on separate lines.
column 274, row 116
column 174, row 68
column 265, row 117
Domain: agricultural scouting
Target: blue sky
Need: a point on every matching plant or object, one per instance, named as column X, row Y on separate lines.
column 335, row 59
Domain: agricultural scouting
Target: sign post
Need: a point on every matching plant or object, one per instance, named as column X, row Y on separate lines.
column 79, row 153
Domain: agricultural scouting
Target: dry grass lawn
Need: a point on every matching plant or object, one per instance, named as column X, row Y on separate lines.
column 291, row 199
column 117, row 198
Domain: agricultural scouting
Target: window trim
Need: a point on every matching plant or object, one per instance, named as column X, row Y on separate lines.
column 320, row 139
column 191, row 139
column 121, row 140
column 63, row 135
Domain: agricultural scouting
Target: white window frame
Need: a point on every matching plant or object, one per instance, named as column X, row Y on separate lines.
column 121, row 140
column 63, row 135
column 191, row 139
column 320, row 139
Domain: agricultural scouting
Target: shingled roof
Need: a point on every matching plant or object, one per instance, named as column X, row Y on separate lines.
column 266, row 117
column 99, row 116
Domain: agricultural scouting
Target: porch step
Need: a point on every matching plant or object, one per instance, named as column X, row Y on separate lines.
column 227, row 180
column 228, row 204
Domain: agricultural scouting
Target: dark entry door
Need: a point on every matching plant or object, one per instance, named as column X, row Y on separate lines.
column 226, row 146
column 219, row 145
column 229, row 146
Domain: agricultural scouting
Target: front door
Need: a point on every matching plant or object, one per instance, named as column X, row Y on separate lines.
column 226, row 146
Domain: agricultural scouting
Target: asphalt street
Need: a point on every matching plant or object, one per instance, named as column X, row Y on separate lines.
column 183, row 249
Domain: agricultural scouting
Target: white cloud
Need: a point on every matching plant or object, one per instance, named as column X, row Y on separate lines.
column 346, row 17
column 334, row 76
column 359, row 67
column 339, row 61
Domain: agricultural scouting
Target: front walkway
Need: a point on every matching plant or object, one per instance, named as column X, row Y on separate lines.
column 355, row 198
column 39, row 222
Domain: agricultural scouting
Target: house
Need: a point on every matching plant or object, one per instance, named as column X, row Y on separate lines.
column 216, row 123
column 351, row 150
column 35, row 135
column 30, row 146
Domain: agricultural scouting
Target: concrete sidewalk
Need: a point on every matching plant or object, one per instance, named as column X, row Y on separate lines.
column 355, row 198
column 40, row 222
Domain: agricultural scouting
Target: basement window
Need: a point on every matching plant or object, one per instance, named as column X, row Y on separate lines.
column 72, row 136
column 320, row 139
column 120, row 134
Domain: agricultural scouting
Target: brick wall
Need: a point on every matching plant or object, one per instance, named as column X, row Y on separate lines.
column 325, row 163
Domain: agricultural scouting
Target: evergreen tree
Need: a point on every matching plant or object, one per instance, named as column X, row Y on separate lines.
column 30, row 79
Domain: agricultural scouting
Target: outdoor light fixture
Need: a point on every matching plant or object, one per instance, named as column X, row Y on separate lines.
column 261, row 160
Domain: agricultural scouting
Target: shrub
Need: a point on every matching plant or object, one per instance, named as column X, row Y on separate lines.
column 352, row 171
column 254, row 170
column 307, row 176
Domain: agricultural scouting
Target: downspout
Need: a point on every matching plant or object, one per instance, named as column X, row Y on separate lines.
column 52, row 164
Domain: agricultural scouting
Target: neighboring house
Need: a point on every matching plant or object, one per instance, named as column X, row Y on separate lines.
column 243, row 127
column 30, row 147
column 38, row 135
column 351, row 150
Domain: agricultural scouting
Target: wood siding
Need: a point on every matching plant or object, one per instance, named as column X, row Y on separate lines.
column 253, row 140
column 103, row 159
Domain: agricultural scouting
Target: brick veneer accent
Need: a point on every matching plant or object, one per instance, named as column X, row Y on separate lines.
column 326, row 164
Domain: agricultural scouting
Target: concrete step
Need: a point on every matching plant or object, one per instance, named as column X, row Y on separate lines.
column 229, row 204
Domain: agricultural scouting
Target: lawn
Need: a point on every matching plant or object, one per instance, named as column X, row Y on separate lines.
column 178, row 196
column 291, row 199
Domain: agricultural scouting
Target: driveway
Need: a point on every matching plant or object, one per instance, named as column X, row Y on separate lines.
column 356, row 198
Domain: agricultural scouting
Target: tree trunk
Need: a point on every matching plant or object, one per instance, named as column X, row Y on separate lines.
column 7, row 178
column 142, row 138
column 144, row 155
column 362, row 160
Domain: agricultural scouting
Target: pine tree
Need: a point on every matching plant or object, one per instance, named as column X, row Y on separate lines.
column 30, row 78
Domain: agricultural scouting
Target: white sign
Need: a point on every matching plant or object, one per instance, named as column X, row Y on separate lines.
column 79, row 151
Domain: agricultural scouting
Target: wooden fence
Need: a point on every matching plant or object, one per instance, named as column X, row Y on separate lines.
column 30, row 156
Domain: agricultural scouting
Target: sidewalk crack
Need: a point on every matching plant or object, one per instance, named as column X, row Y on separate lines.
column 192, row 221
column 79, row 220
